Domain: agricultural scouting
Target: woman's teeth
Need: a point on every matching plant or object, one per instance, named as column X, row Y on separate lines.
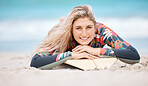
column 84, row 38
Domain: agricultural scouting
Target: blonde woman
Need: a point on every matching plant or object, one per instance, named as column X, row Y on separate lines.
column 80, row 36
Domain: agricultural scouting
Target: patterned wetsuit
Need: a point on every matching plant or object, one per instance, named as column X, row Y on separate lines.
column 104, row 35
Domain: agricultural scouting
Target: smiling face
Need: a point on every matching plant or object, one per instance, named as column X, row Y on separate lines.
column 83, row 30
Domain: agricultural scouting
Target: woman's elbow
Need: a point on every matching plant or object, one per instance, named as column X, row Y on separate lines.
column 138, row 57
column 135, row 58
column 135, row 54
column 34, row 62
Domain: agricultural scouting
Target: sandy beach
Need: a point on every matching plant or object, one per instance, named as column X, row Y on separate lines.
column 15, row 71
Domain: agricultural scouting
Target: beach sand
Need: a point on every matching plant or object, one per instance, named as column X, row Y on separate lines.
column 15, row 71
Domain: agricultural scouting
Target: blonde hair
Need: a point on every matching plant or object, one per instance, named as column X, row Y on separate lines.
column 60, row 35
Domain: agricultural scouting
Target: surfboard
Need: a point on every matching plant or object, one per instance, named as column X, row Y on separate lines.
column 86, row 64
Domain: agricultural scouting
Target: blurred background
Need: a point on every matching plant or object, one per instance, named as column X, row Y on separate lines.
column 25, row 23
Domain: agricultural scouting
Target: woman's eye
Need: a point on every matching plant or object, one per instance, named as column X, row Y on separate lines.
column 89, row 27
column 78, row 28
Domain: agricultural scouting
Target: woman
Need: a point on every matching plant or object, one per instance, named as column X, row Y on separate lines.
column 80, row 36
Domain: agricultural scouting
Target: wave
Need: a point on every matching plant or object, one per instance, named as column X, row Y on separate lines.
column 37, row 29
column 11, row 30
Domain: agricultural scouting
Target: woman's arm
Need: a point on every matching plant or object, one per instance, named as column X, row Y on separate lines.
column 44, row 61
column 120, row 48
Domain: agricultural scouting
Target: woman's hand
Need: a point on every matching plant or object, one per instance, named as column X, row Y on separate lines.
column 88, row 49
column 77, row 55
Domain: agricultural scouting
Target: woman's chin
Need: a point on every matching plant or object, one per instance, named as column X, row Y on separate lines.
column 83, row 43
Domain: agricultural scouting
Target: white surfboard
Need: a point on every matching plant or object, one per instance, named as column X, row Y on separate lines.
column 86, row 64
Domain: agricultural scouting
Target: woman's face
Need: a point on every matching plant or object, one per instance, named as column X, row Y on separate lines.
column 83, row 31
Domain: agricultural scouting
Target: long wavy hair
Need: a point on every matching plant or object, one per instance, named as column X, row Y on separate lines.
column 60, row 35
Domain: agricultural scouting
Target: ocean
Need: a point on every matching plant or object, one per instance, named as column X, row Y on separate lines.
column 25, row 23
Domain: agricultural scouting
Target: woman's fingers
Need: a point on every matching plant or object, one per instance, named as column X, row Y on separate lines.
column 76, row 55
column 81, row 48
column 96, row 57
column 89, row 56
column 88, row 49
column 92, row 56
column 78, row 48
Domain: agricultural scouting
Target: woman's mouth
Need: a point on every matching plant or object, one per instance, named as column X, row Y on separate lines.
column 84, row 38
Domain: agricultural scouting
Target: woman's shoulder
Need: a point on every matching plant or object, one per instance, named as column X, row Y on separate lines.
column 102, row 28
column 100, row 25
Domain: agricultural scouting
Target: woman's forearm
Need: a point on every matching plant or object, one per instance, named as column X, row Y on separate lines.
column 129, row 55
column 48, row 62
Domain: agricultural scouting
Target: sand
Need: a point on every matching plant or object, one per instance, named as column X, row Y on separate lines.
column 15, row 71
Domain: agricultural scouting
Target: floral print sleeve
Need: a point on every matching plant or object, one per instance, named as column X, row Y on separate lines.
column 119, row 47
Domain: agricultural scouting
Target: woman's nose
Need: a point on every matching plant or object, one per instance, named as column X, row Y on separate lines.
column 84, row 33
